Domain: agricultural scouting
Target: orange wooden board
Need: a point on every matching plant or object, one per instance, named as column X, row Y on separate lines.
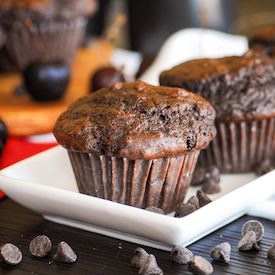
column 24, row 117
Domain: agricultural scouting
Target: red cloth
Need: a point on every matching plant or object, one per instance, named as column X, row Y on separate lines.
column 17, row 149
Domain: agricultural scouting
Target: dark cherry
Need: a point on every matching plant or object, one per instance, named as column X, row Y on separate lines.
column 3, row 132
column 105, row 76
column 47, row 81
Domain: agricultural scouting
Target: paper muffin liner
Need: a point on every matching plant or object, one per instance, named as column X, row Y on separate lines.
column 45, row 40
column 240, row 147
column 140, row 183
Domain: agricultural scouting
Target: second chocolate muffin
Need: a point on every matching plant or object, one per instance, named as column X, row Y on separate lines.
column 242, row 91
column 135, row 143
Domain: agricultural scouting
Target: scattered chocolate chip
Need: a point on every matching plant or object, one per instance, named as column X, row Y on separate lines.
column 65, row 253
column 271, row 252
column 195, row 201
column 203, row 198
column 221, row 252
column 10, row 254
column 150, row 267
column 184, row 209
column 198, row 176
column 139, row 257
column 40, row 246
column 213, row 172
column 210, row 187
column 200, row 265
column 256, row 226
column 264, row 167
column 181, row 254
column 155, row 210
column 248, row 242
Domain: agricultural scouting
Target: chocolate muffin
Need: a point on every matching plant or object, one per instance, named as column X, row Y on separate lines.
column 264, row 41
column 242, row 91
column 43, row 29
column 135, row 143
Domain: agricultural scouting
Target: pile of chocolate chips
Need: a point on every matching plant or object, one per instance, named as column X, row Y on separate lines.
column 39, row 247
column 194, row 203
column 208, row 178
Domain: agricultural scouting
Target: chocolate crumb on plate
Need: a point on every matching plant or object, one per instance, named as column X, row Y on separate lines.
column 150, row 267
column 254, row 225
column 65, row 253
column 199, row 265
column 181, row 255
column 40, row 246
column 195, row 201
column 10, row 254
column 221, row 252
column 139, row 257
column 203, row 198
column 155, row 209
column 248, row 242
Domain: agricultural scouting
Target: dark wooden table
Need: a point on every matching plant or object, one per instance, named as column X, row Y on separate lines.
column 98, row 254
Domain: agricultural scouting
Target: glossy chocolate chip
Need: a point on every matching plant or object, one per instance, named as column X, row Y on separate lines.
column 195, row 201
column 184, row 209
column 210, row 187
column 253, row 225
column 264, row 167
column 203, row 198
column 248, row 242
column 213, row 172
column 139, row 257
column 198, row 176
column 221, row 252
column 199, row 265
column 40, row 246
column 150, row 267
column 181, row 255
column 65, row 253
column 10, row 254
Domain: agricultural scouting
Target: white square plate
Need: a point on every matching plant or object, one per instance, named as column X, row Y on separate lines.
column 45, row 183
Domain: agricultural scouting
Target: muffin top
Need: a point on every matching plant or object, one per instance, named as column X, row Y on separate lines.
column 137, row 121
column 45, row 9
column 238, row 87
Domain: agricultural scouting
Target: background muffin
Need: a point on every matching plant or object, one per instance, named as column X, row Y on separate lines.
column 43, row 29
column 242, row 91
column 264, row 41
column 135, row 143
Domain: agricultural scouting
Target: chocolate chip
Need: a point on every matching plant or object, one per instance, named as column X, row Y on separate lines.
column 271, row 252
column 184, row 209
column 65, row 253
column 139, row 257
column 40, row 246
column 181, row 254
column 264, row 167
column 248, row 242
column 198, row 176
column 200, row 265
column 221, row 252
column 155, row 210
column 195, row 201
column 150, row 267
column 256, row 226
column 10, row 254
column 203, row 198
column 213, row 172
column 210, row 187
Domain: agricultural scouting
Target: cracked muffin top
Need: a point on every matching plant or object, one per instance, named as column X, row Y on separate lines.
column 137, row 121
column 238, row 87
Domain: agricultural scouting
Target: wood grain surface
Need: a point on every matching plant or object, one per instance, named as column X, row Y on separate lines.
column 98, row 254
column 26, row 117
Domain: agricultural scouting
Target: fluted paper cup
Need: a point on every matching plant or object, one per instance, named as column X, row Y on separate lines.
column 240, row 147
column 56, row 40
column 141, row 183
